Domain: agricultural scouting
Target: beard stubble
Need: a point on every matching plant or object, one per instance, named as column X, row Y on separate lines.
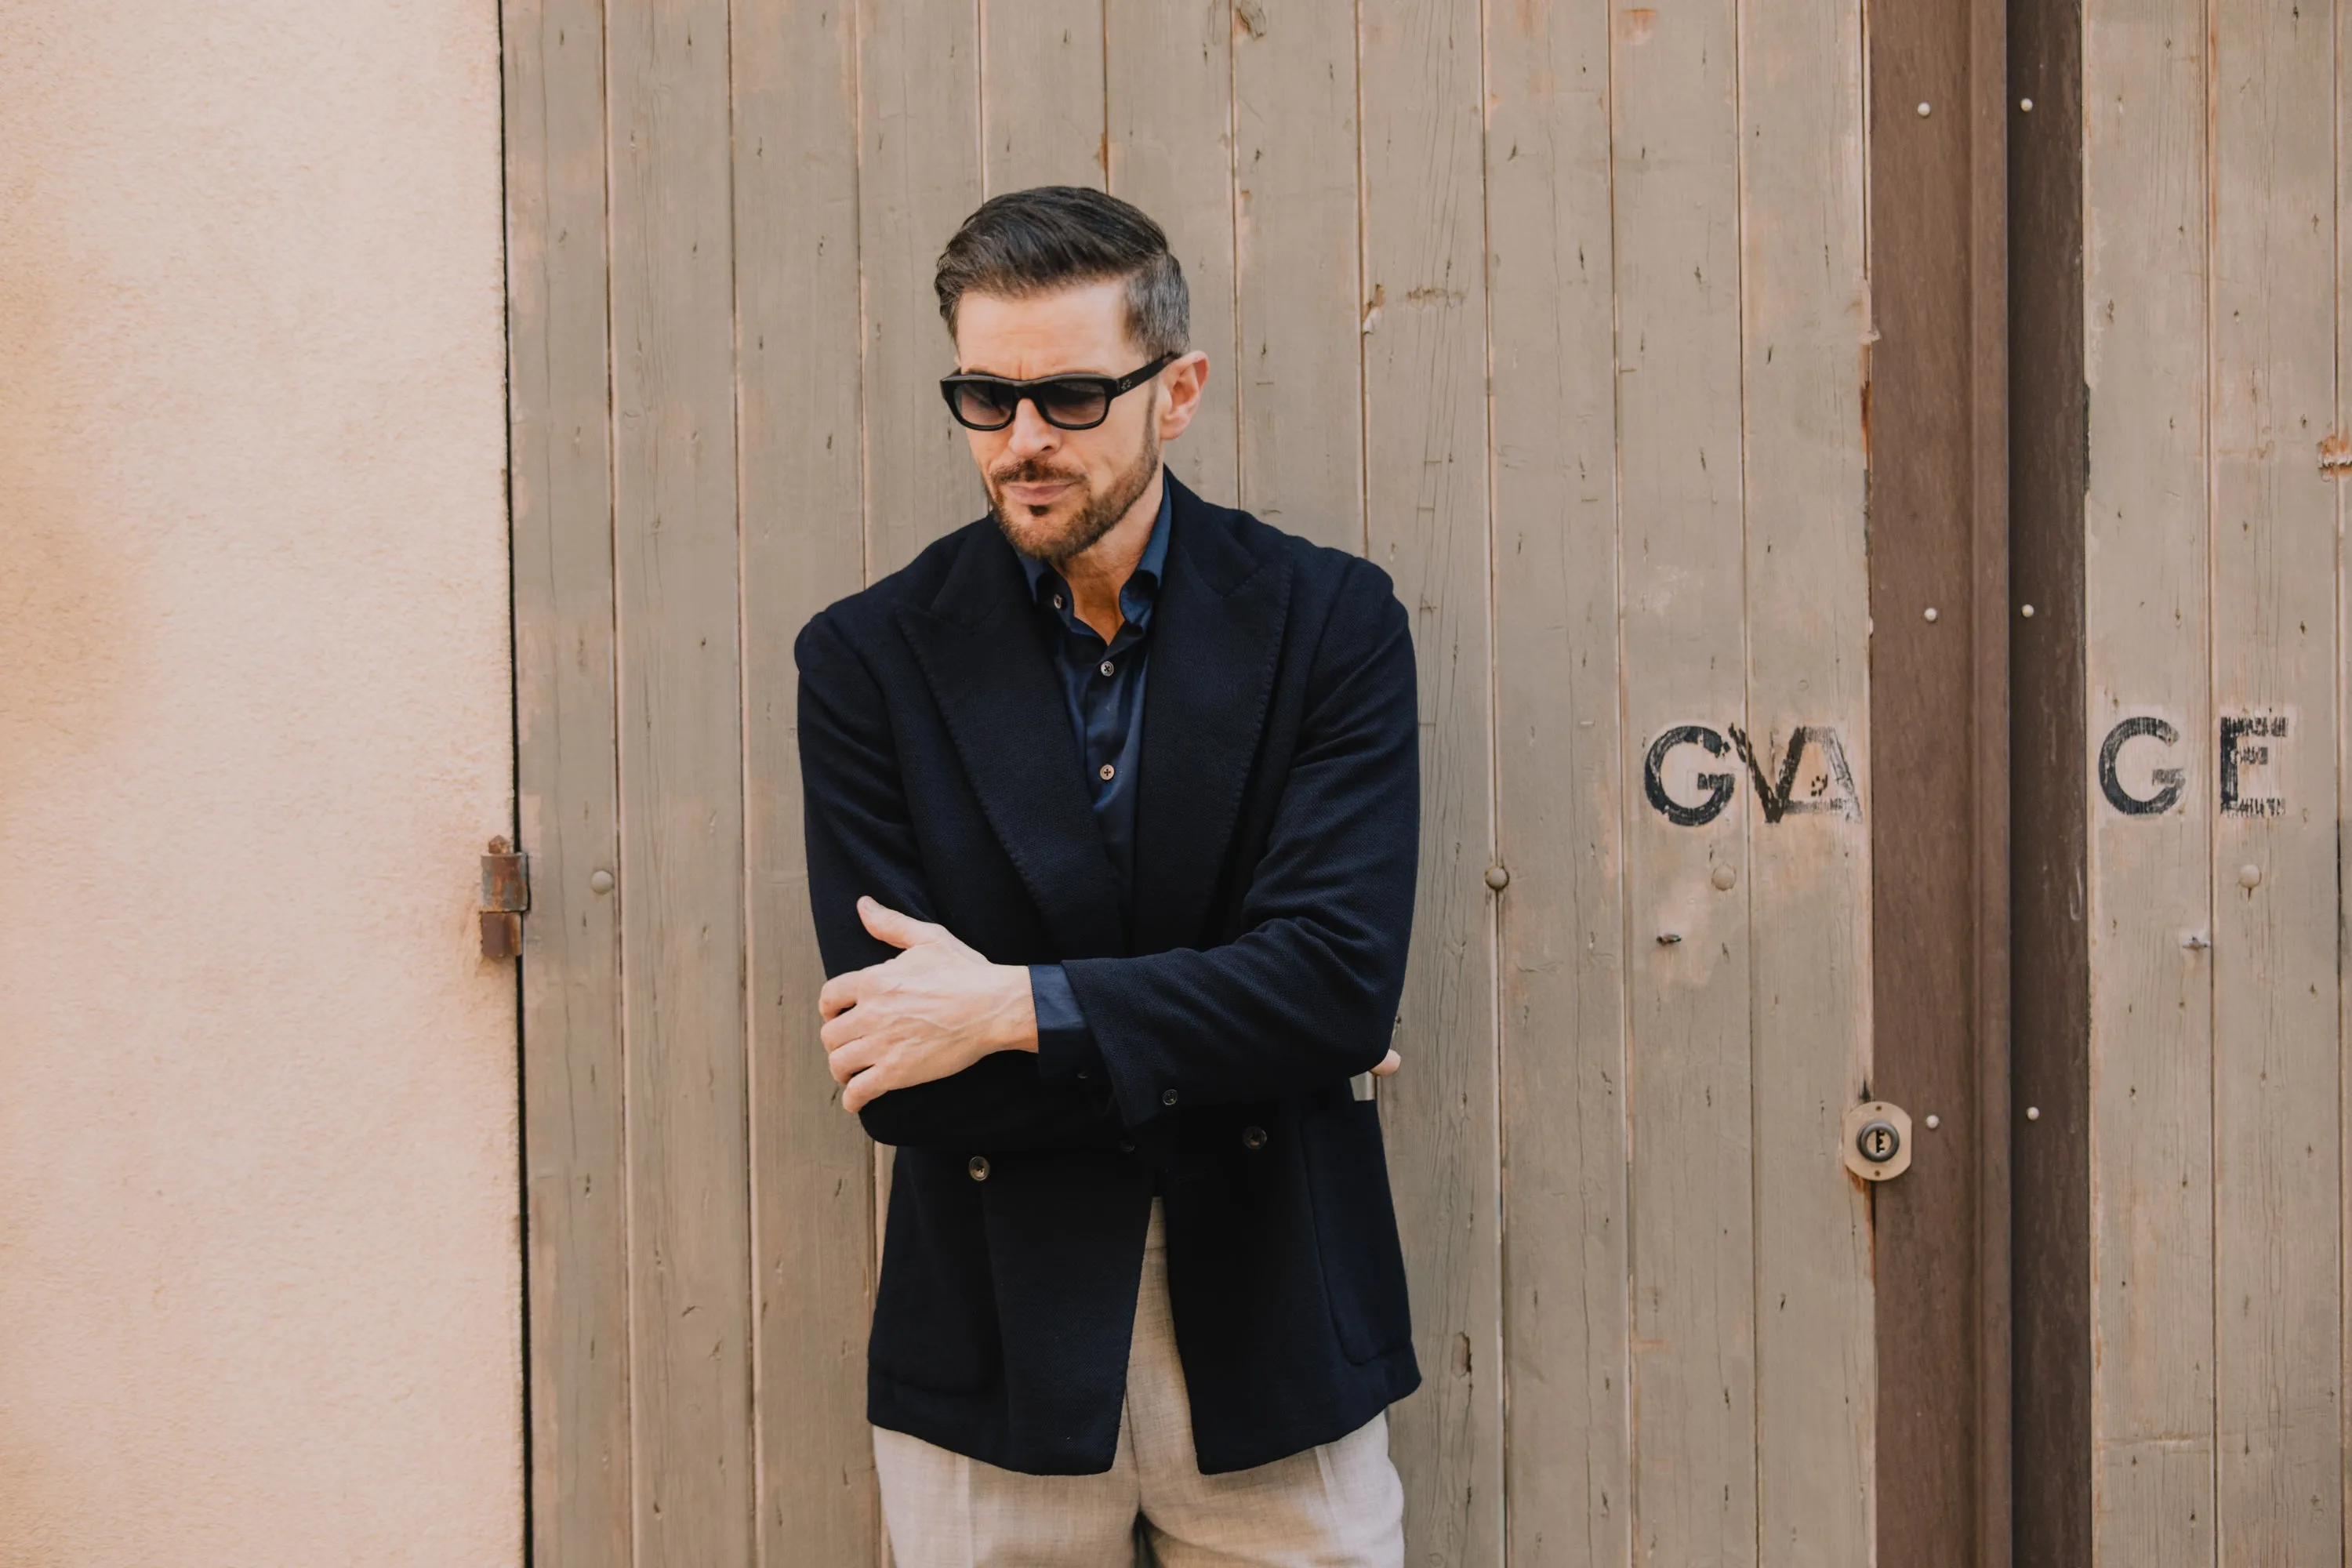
column 1096, row 516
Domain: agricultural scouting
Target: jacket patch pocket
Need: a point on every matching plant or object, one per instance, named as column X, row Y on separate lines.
column 1355, row 1227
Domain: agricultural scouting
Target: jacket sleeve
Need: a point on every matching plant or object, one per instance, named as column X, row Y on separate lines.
column 1305, row 993
column 861, row 838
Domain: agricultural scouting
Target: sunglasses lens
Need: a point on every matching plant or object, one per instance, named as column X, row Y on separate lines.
column 983, row 406
column 1072, row 403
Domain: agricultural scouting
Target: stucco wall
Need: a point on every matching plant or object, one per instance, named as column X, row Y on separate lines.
column 258, row 1293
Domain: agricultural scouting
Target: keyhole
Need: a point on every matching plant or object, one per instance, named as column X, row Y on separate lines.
column 1878, row 1142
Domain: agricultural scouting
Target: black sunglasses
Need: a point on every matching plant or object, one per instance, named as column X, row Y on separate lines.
column 1065, row 401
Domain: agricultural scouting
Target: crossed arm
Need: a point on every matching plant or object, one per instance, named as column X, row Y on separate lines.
column 935, row 1045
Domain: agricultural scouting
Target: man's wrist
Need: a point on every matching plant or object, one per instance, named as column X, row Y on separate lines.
column 1018, row 1016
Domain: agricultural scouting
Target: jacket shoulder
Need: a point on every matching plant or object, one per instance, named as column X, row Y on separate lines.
column 859, row 618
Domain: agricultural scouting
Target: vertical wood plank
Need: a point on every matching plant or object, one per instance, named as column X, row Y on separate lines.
column 1676, row 159
column 2338, row 442
column 675, row 553
column 2146, row 652
column 795, row 102
column 918, row 178
column 1298, row 286
column 1169, row 88
column 1569, row 1447
column 2277, row 1172
column 1809, row 896
column 2050, row 1034
column 1425, row 446
column 1041, row 96
column 575, row 1182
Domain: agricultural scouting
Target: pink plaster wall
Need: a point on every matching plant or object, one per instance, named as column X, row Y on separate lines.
column 259, row 1293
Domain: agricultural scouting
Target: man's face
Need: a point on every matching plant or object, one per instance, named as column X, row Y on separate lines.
column 1055, row 491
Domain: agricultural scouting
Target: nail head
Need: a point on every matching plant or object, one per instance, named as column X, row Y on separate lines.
column 600, row 881
column 2034, row 1113
column 1723, row 878
column 2026, row 610
column 2025, row 106
column 2250, row 876
column 1934, row 1121
column 1924, row 111
column 1931, row 612
column 1498, row 878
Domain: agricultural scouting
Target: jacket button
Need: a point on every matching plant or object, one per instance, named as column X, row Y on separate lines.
column 1253, row 1137
column 978, row 1166
column 1168, row 1097
column 1127, row 1146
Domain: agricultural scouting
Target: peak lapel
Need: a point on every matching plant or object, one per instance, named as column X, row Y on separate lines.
column 1216, row 632
column 986, row 662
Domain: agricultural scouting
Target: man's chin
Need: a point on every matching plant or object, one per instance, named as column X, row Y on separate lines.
column 1046, row 537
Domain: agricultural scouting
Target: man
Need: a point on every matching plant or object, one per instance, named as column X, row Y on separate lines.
column 1112, row 805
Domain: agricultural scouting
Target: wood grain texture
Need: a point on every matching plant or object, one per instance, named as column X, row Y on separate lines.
column 1171, row 87
column 1675, row 153
column 575, row 1184
column 2339, row 436
column 681, row 778
column 812, row 1234
column 1041, row 93
column 918, row 178
column 2278, row 1166
column 1809, row 894
column 1425, row 449
column 2050, row 1026
column 1300, row 293
column 1559, row 758
column 2145, row 653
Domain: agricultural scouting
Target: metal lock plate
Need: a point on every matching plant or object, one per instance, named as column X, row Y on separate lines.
column 1877, row 1140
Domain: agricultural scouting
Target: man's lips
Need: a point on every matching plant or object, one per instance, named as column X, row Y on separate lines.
column 1032, row 492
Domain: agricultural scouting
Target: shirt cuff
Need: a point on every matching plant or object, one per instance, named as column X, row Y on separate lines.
column 1066, row 1046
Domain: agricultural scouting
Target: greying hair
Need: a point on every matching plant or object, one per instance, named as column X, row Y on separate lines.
column 1031, row 242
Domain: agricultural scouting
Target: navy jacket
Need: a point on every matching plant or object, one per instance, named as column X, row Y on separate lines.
column 1277, row 832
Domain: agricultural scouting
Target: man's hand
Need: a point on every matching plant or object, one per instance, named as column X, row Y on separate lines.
column 927, row 1014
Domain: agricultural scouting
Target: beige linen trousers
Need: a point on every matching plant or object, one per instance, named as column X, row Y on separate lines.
column 1337, row 1506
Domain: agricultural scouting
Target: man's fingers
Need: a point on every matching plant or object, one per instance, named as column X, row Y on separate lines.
column 837, row 1032
column 897, row 930
column 847, row 1061
column 840, row 994
column 1389, row 1064
column 857, row 1092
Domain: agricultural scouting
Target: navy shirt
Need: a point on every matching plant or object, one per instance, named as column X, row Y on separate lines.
column 1102, row 687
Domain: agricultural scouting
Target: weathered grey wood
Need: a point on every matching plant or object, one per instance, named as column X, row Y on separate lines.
column 2334, row 447
column 1041, row 95
column 681, row 780
column 1809, row 898
column 1171, row 84
column 1558, row 755
column 2144, row 598
column 575, row 1185
column 2278, row 1165
column 1301, row 292
column 919, row 178
column 1425, row 480
column 1677, row 157
column 795, row 104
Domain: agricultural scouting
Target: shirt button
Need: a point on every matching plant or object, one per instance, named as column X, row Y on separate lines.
column 1168, row 1097
column 1109, row 773
column 978, row 1166
column 1108, row 668
column 1058, row 601
column 1253, row 1137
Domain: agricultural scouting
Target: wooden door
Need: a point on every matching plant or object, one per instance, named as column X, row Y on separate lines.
column 1569, row 316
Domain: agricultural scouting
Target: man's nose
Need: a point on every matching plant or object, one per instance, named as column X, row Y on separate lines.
column 1030, row 434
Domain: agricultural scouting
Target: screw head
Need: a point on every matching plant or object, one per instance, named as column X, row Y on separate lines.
column 1930, row 612
column 2034, row 1113
column 1498, row 878
column 2025, row 106
column 1925, row 110
column 1934, row 1121
column 1723, row 877
column 600, row 881
column 2026, row 610
column 2250, row 876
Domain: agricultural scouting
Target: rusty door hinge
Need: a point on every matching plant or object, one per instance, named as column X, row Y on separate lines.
column 505, row 894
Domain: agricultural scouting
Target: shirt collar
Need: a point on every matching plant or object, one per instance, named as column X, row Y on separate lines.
column 1142, row 586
